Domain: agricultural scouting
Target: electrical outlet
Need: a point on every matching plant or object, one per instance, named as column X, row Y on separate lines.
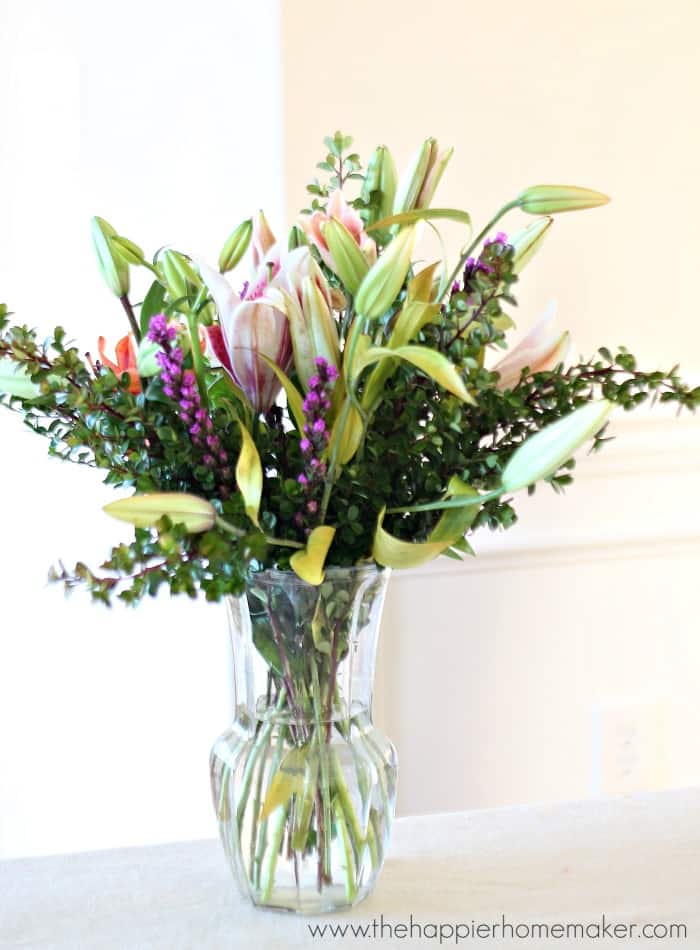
column 628, row 747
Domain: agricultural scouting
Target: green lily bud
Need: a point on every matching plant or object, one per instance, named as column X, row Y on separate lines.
column 349, row 263
column 420, row 180
column 543, row 453
column 129, row 252
column 145, row 511
column 15, row 380
column 321, row 327
column 527, row 242
column 178, row 273
column 385, row 278
column 114, row 269
column 296, row 238
column 379, row 186
column 236, row 246
column 553, row 199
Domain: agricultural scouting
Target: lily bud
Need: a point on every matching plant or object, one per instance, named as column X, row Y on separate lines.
column 384, row 280
column 145, row 511
column 420, row 180
column 554, row 199
column 236, row 246
column 263, row 239
column 178, row 273
column 15, row 380
column 379, row 186
column 349, row 263
column 528, row 241
column 129, row 252
column 113, row 268
column 321, row 327
column 543, row 453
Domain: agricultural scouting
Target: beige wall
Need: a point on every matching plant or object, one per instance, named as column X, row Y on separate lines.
column 564, row 661
column 602, row 93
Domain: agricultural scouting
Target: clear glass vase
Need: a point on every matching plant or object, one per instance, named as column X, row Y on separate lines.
column 304, row 786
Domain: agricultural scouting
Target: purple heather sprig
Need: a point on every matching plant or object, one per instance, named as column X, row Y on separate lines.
column 180, row 384
column 315, row 438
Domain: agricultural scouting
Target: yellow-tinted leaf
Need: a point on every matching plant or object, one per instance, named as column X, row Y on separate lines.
column 294, row 399
column 288, row 780
column 145, row 511
column 422, row 214
column 454, row 522
column 308, row 564
column 430, row 362
column 350, row 436
column 249, row 475
column 392, row 552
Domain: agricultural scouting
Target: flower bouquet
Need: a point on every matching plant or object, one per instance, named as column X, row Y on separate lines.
column 288, row 438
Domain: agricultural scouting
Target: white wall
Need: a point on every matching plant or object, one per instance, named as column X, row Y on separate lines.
column 165, row 118
column 492, row 673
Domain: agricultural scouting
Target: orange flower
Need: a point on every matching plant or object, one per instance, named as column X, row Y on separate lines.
column 125, row 353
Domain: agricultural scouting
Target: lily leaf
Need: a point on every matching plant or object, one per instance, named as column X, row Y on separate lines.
column 392, row 552
column 430, row 362
column 455, row 522
column 308, row 564
column 422, row 214
column 145, row 511
column 294, row 399
column 350, row 437
column 288, row 780
column 249, row 475
column 152, row 304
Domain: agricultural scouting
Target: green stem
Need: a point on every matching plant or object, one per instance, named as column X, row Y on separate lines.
column 197, row 358
column 324, row 846
column 131, row 316
column 475, row 243
column 278, row 821
column 350, row 873
column 457, row 502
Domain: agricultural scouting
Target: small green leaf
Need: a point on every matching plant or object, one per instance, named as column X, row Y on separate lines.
column 152, row 304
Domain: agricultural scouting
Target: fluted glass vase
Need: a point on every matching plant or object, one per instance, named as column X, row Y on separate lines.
column 303, row 784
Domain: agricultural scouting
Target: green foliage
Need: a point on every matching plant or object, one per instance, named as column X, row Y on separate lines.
column 416, row 437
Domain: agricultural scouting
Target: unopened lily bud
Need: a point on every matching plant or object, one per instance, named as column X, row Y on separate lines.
column 113, row 267
column 145, row 511
column 554, row 199
column 543, row 453
column 528, row 241
column 385, row 279
column 379, row 186
column 15, row 380
column 338, row 299
column 321, row 328
column 263, row 239
column 236, row 246
column 349, row 263
column 129, row 252
column 419, row 181
column 296, row 238
column 178, row 273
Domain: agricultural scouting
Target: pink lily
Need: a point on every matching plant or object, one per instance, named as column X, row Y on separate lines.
column 337, row 208
column 541, row 349
column 250, row 328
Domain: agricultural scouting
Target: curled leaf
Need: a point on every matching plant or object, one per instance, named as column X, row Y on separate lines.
column 430, row 362
column 392, row 552
column 308, row 564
